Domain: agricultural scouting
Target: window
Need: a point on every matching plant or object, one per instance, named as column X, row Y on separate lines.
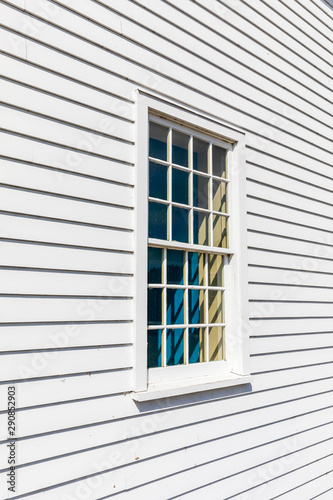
column 185, row 284
column 187, row 225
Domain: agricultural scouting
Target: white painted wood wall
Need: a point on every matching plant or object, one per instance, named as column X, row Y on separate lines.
column 68, row 71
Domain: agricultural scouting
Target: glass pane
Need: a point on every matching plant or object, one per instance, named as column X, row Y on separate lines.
column 180, row 148
column 175, row 347
column 220, row 231
column 175, row 306
column 215, row 343
column 158, row 181
column 219, row 196
column 180, row 186
column 158, row 141
column 157, row 227
column 154, row 306
column 215, row 306
column 196, row 269
column 200, row 191
column 215, row 270
column 175, row 267
column 200, row 155
column 180, row 224
column 200, row 228
column 154, row 353
column 196, row 306
column 196, row 345
column 219, row 161
column 155, row 265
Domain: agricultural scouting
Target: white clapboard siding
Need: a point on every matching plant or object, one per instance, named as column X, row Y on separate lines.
column 255, row 19
column 295, row 378
column 260, row 326
column 133, row 51
column 63, row 87
column 37, row 102
column 16, row 44
column 282, row 228
column 289, row 198
column 66, row 389
column 134, row 32
column 45, row 309
column 187, row 459
column 42, row 256
column 293, row 294
column 29, row 176
column 50, row 363
column 250, row 13
column 320, row 27
column 310, row 397
column 36, row 448
column 319, row 261
column 44, row 364
column 293, row 278
column 265, row 208
column 301, row 483
column 259, row 146
column 266, row 476
column 289, row 309
column 29, row 202
column 31, row 150
column 287, row 359
column 280, row 166
column 53, row 132
column 57, row 284
column 67, row 244
column 273, row 344
column 263, row 240
column 37, row 229
column 21, row 338
column 253, row 46
column 286, row 183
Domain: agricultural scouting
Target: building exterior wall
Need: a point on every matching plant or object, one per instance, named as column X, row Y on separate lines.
column 68, row 74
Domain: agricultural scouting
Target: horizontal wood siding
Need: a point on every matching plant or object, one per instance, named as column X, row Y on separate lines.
column 67, row 161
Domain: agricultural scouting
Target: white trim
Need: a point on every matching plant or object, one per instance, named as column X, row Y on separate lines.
column 191, row 386
column 236, row 366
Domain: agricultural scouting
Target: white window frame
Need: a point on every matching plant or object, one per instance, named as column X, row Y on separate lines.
column 198, row 377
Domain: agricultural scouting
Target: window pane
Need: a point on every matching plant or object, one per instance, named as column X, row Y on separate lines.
column 175, row 306
column 219, row 161
column 200, row 155
column 215, row 306
column 219, row 196
column 154, row 306
column 180, row 224
column 180, row 148
column 196, row 306
column 200, row 228
column 220, row 231
column 215, row 270
column 158, row 141
column 154, row 353
column 158, row 181
column 157, row 227
column 180, row 186
column 200, row 191
column 175, row 347
column 196, row 345
column 196, row 268
column 216, row 343
column 175, row 267
column 154, row 265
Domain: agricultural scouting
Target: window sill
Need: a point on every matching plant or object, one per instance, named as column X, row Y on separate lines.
column 193, row 385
